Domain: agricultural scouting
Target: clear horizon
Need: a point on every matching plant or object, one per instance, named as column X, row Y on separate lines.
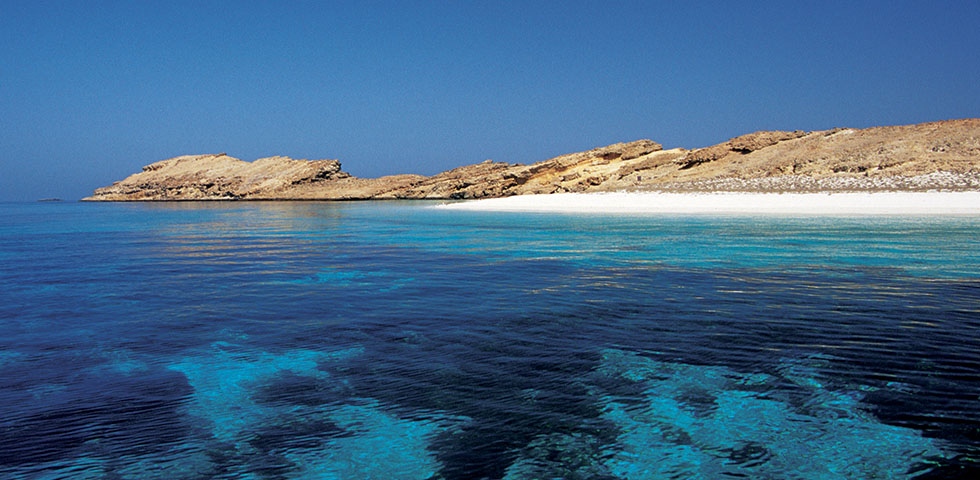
column 90, row 95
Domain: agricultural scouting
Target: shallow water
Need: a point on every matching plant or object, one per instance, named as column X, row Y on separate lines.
column 394, row 340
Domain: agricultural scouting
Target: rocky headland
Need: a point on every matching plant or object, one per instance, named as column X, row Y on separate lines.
column 928, row 156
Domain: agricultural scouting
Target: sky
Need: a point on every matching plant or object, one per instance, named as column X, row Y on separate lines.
column 92, row 91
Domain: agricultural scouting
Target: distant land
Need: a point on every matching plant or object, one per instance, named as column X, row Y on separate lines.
column 941, row 155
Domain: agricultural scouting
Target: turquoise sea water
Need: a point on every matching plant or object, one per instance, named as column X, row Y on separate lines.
column 275, row 340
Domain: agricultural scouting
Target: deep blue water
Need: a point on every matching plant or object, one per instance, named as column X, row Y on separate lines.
column 395, row 340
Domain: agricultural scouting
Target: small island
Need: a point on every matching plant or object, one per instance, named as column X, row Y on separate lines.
column 941, row 155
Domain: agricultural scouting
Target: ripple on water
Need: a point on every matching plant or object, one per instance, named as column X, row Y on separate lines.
column 711, row 422
column 235, row 393
column 493, row 345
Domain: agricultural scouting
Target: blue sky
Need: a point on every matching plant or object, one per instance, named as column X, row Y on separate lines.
column 92, row 91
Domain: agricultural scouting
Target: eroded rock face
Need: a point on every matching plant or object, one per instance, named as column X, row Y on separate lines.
column 848, row 155
column 739, row 145
column 220, row 177
column 573, row 172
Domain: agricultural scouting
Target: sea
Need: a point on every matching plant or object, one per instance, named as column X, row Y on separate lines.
column 402, row 340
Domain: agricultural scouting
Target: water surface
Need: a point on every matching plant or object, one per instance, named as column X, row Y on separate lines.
column 393, row 340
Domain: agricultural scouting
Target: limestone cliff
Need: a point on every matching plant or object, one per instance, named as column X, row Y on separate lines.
column 930, row 155
column 219, row 177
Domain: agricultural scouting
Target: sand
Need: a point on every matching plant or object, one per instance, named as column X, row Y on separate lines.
column 844, row 203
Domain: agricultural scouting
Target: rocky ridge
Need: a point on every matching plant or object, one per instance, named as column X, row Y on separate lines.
column 938, row 155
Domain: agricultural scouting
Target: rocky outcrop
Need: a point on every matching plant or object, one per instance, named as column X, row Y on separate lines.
column 220, row 177
column 947, row 153
column 567, row 173
column 738, row 145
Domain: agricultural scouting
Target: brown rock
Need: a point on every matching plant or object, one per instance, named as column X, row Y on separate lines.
column 946, row 153
column 220, row 177
column 759, row 140
column 742, row 144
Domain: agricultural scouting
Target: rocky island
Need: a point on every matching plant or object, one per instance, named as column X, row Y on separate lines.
column 941, row 155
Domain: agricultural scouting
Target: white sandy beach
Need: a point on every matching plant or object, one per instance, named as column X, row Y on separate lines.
column 844, row 203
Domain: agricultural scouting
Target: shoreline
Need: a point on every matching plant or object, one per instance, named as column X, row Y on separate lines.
column 940, row 155
column 736, row 203
column 940, row 181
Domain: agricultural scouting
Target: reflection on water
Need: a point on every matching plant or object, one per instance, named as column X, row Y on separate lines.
column 390, row 340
